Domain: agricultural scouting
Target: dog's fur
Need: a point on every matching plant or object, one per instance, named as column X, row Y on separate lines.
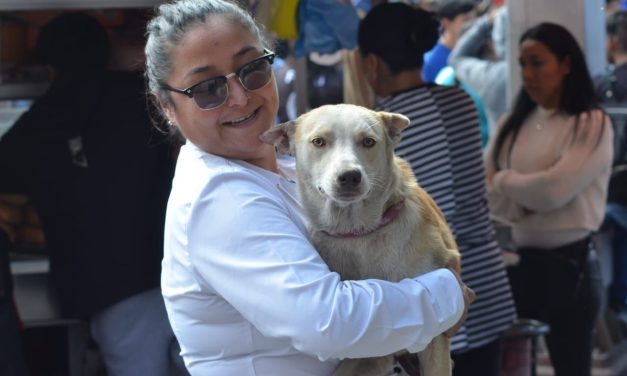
column 348, row 177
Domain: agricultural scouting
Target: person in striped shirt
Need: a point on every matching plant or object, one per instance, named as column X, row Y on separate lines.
column 443, row 146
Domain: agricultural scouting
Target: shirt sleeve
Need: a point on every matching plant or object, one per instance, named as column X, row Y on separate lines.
column 470, row 68
column 245, row 246
column 471, row 43
column 587, row 157
column 502, row 209
column 434, row 61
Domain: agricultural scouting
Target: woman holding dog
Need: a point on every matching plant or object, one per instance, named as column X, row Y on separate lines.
column 245, row 291
column 443, row 146
column 547, row 175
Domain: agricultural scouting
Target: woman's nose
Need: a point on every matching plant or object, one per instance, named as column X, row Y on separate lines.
column 527, row 73
column 238, row 95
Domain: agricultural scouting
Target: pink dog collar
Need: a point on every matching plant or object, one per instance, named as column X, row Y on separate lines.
column 388, row 217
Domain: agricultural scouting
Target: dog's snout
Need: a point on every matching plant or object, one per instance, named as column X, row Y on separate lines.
column 350, row 178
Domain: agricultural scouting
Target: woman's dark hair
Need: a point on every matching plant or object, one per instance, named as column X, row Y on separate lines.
column 398, row 34
column 73, row 43
column 578, row 90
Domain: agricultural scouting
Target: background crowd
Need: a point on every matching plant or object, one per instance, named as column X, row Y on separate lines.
column 96, row 161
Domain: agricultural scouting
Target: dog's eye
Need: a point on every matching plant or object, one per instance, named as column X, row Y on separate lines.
column 318, row 142
column 368, row 142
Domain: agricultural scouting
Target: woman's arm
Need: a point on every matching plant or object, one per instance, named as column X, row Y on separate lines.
column 587, row 157
column 465, row 58
column 502, row 209
column 244, row 245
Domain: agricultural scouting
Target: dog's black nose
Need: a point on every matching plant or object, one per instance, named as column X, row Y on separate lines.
column 349, row 178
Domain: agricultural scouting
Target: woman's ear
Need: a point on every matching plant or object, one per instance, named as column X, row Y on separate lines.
column 167, row 110
column 371, row 67
column 375, row 65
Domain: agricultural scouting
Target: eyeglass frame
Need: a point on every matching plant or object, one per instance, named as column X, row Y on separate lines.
column 188, row 92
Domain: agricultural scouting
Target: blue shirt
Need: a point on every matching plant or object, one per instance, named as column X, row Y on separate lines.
column 435, row 60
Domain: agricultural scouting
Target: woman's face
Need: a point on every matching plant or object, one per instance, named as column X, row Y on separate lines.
column 218, row 48
column 542, row 73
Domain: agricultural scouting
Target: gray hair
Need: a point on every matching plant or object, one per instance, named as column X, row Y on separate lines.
column 170, row 25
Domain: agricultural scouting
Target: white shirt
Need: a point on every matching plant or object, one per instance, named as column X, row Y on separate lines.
column 247, row 294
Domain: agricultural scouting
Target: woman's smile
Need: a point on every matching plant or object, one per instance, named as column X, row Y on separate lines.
column 243, row 121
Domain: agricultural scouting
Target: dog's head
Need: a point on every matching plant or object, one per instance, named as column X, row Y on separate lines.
column 343, row 151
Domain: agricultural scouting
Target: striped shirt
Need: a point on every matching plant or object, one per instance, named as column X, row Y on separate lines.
column 443, row 146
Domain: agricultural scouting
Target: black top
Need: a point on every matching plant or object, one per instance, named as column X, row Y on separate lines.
column 99, row 175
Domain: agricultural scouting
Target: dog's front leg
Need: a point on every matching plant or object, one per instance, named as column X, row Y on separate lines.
column 435, row 359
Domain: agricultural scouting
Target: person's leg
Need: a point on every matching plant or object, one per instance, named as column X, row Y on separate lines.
column 134, row 336
column 570, row 340
column 527, row 280
column 484, row 360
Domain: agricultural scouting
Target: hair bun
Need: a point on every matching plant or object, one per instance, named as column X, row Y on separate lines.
column 426, row 30
column 399, row 34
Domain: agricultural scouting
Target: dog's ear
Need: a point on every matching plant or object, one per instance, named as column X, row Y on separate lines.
column 280, row 136
column 394, row 124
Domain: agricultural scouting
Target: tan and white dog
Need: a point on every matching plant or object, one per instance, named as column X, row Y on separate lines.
column 369, row 218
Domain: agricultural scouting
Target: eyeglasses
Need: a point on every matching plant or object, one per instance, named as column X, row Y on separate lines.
column 212, row 93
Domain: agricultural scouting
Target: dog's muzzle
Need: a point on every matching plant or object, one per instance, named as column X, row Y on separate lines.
column 348, row 183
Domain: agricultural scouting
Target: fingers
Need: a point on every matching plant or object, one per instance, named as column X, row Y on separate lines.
column 472, row 296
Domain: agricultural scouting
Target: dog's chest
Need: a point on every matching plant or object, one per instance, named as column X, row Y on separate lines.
column 385, row 256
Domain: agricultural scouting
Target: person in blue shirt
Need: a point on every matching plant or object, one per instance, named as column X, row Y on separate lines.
column 453, row 15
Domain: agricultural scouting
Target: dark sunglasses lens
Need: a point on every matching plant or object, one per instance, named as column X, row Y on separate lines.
column 256, row 75
column 211, row 93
